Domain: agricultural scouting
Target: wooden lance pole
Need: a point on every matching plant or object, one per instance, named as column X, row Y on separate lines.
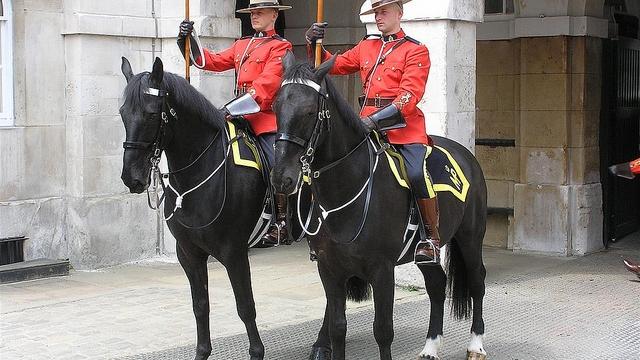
column 187, row 47
column 320, row 18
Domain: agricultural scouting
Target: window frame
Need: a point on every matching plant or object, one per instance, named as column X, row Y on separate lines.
column 503, row 13
column 7, row 116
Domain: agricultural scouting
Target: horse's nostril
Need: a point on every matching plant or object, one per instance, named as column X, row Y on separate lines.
column 288, row 181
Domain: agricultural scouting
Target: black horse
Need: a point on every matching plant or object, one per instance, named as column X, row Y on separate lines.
column 359, row 244
column 162, row 112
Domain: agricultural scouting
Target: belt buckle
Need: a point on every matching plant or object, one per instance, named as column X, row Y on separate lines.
column 377, row 102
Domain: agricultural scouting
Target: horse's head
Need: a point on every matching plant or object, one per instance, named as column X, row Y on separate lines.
column 298, row 108
column 142, row 117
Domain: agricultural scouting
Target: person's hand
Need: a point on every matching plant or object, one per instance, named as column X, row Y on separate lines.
column 369, row 124
column 315, row 32
column 186, row 28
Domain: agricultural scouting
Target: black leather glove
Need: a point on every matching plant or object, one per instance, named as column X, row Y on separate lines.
column 369, row 124
column 186, row 28
column 315, row 32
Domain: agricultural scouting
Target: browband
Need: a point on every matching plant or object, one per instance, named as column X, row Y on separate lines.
column 156, row 92
column 309, row 83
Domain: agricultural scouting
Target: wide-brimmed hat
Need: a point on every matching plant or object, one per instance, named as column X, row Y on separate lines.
column 263, row 4
column 376, row 4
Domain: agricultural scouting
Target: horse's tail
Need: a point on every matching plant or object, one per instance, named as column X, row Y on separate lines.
column 358, row 290
column 458, row 283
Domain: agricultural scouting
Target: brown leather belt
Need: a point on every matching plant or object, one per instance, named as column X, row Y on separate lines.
column 378, row 102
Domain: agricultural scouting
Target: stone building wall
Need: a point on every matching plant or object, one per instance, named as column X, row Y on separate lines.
column 60, row 164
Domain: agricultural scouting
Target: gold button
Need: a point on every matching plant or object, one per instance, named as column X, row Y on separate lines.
column 379, row 79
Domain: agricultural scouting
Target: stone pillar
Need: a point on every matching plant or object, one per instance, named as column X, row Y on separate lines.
column 106, row 225
column 448, row 28
column 558, row 202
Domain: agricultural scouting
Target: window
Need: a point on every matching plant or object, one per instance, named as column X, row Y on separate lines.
column 498, row 7
column 6, row 64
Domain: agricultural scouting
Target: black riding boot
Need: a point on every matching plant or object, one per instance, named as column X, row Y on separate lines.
column 277, row 232
column 428, row 250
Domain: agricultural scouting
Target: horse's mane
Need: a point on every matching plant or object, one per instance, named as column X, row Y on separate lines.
column 182, row 93
column 302, row 70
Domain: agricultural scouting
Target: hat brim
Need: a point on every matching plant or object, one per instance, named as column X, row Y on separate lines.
column 373, row 10
column 276, row 7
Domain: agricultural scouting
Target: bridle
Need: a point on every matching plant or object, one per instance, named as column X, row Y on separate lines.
column 323, row 118
column 160, row 142
column 159, row 145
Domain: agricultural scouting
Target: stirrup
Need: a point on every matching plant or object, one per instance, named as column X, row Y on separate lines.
column 430, row 244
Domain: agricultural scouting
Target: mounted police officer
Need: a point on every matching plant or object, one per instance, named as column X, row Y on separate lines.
column 257, row 61
column 394, row 70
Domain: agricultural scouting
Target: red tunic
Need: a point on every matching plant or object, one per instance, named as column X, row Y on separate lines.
column 402, row 74
column 259, row 73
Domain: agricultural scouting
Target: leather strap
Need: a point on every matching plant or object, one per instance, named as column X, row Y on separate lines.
column 378, row 102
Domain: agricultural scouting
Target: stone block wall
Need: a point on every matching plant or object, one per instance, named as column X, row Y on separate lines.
column 544, row 93
column 60, row 164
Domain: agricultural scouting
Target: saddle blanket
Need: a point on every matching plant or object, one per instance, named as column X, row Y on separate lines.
column 446, row 173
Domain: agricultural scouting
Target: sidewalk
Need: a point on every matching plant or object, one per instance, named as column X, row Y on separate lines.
column 146, row 308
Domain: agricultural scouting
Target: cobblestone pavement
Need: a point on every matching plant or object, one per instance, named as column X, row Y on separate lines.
column 536, row 308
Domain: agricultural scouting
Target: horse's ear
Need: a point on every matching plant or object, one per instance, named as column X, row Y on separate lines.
column 288, row 60
column 126, row 69
column 324, row 68
column 158, row 72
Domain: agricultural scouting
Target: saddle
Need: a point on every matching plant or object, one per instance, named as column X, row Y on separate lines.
column 446, row 175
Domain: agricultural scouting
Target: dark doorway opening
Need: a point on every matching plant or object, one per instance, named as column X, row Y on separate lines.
column 620, row 135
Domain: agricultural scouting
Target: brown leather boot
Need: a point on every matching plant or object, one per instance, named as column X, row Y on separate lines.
column 428, row 250
column 277, row 233
column 632, row 267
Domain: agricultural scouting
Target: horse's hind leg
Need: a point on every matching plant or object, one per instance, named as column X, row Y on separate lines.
column 194, row 263
column 240, row 277
column 476, row 274
column 383, row 290
column 435, row 281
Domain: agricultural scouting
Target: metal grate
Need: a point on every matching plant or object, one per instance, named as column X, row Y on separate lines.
column 12, row 250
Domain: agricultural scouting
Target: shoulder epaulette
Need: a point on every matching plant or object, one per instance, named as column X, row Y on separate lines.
column 246, row 37
column 372, row 37
column 409, row 38
column 278, row 37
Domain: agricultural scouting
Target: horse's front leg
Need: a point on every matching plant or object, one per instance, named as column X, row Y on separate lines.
column 194, row 263
column 335, row 290
column 321, row 349
column 240, row 276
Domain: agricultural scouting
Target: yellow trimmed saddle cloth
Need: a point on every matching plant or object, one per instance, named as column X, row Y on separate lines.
column 446, row 173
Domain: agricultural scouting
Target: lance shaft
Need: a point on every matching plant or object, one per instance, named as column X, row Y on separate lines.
column 320, row 18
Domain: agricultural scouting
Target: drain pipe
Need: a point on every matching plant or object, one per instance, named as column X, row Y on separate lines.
column 156, row 177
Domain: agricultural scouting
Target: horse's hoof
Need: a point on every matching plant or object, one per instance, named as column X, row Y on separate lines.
column 320, row 353
column 472, row 355
column 428, row 357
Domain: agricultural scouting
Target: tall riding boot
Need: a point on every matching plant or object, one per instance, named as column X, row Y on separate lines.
column 428, row 250
column 277, row 232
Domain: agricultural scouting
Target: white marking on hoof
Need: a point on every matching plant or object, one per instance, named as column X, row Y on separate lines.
column 431, row 348
column 475, row 345
column 443, row 258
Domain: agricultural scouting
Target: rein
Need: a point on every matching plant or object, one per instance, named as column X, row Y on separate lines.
column 307, row 159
